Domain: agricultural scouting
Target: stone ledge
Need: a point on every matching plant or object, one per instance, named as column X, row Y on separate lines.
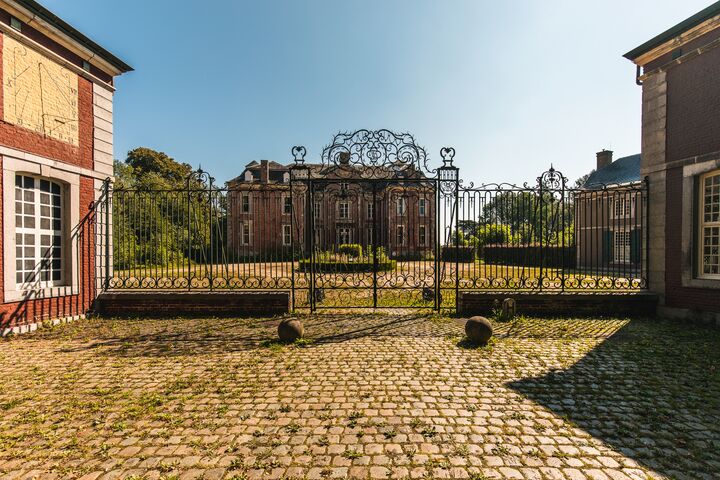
column 640, row 304
column 193, row 303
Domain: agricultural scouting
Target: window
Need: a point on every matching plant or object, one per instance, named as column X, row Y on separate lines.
column 245, row 203
column 422, row 236
column 621, row 207
column 401, row 235
column 287, row 234
column 421, row 207
column 343, row 236
column 621, row 246
column 287, row 205
column 38, row 232
column 245, row 234
column 401, row 206
column 344, row 210
column 316, row 211
column 370, row 210
column 16, row 24
column 344, row 186
column 710, row 225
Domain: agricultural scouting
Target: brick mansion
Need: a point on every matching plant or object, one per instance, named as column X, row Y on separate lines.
column 264, row 217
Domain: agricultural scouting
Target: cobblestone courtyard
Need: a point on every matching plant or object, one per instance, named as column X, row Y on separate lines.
column 376, row 396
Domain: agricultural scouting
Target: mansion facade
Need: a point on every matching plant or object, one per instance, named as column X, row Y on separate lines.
column 265, row 218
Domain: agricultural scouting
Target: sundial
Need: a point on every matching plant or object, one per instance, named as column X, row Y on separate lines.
column 39, row 94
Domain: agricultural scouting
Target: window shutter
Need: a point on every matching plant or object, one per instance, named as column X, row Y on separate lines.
column 607, row 247
column 635, row 246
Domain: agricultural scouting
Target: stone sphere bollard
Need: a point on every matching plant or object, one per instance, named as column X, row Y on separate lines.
column 478, row 330
column 290, row 330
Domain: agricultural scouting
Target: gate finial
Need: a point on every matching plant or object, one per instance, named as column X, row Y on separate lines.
column 447, row 154
column 298, row 153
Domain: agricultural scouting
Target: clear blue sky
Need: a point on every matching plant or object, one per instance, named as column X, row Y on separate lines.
column 512, row 85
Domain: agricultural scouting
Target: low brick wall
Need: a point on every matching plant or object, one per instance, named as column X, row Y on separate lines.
column 575, row 304
column 170, row 304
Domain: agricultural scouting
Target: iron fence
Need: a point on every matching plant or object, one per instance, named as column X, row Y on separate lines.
column 350, row 234
column 552, row 237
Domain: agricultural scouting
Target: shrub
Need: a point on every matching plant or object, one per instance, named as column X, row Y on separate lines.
column 351, row 250
column 464, row 254
column 330, row 266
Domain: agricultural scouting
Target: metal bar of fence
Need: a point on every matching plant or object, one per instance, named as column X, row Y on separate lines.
column 546, row 236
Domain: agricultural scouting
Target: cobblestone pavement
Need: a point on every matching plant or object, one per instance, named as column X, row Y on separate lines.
column 366, row 396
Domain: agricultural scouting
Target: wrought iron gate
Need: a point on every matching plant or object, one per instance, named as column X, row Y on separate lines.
column 367, row 223
column 371, row 225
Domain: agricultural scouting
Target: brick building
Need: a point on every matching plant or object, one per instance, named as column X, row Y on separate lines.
column 609, row 215
column 679, row 71
column 56, row 137
column 343, row 211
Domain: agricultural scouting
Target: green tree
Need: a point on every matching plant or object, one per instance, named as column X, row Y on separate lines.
column 162, row 214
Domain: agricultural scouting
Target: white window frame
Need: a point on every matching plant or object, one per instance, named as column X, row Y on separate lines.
column 622, row 202
column 287, row 235
column 344, row 215
column 704, row 225
column 422, row 206
column 422, row 235
column 400, row 235
column 370, row 210
column 316, row 210
column 344, row 231
column 370, row 231
column 243, row 196
column 401, row 206
column 286, row 202
column 33, row 265
column 622, row 242
column 70, row 182
column 246, row 229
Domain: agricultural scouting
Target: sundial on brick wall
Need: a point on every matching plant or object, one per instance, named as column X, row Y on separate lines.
column 39, row 94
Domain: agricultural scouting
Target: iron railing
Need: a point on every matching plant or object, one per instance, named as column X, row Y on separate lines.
column 353, row 232
column 552, row 237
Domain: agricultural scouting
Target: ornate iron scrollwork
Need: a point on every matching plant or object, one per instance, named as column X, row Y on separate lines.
column 375, row 154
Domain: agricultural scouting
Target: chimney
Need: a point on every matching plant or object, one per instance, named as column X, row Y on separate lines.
column 604, row 158
column 264, row 171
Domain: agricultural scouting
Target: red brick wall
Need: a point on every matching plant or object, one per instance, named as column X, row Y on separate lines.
column 35, row 310
column 30, row 141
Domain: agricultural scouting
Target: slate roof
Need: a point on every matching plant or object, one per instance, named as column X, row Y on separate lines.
column 622, row 170
column 319, row 170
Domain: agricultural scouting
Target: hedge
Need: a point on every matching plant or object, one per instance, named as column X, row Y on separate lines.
column 464, row 253
column 330, row 266
column 530, row 256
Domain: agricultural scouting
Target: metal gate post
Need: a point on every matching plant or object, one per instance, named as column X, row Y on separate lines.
column 436, row 243
column 310, row 210
column 374, row 245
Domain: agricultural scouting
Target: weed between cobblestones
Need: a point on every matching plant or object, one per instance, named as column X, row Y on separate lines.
column 364, row 396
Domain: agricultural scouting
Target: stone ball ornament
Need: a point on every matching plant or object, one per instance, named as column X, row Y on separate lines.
column 290, row 330
column 479, row 330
